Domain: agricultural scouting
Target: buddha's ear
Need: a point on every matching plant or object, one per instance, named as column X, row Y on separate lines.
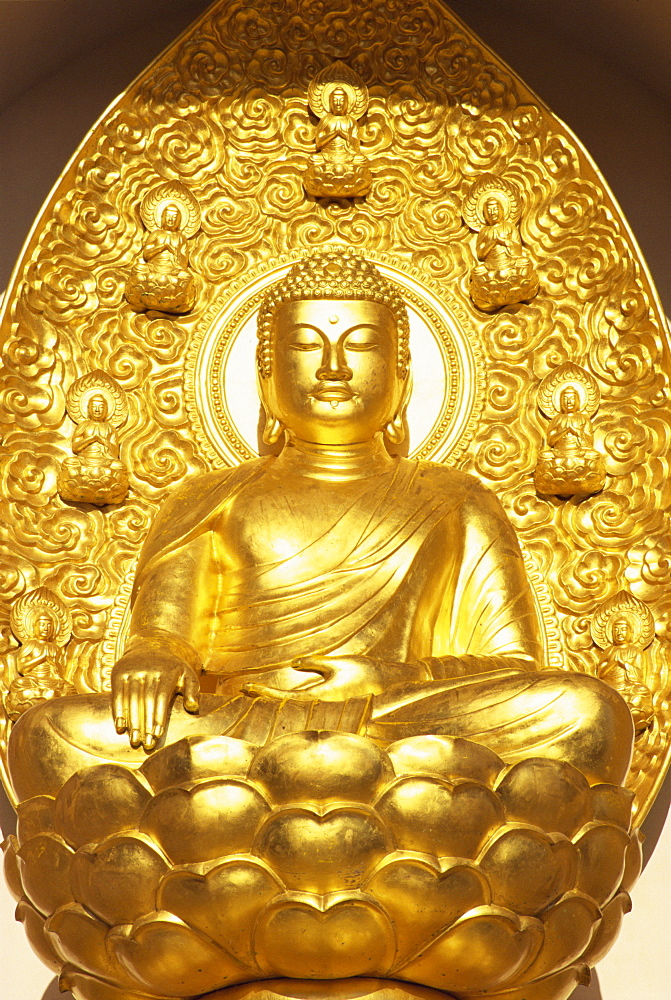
column 273, row 429
column 394, row 431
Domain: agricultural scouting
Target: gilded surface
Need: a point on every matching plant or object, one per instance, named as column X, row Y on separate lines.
column 225, row 113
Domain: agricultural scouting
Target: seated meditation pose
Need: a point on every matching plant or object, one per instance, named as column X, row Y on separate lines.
column 506, row 274
column 160, row 279
column 34, row 672
column 624, row 628
column 95, row 474
column 334, row 586
column 570, row 465
column 338, row 168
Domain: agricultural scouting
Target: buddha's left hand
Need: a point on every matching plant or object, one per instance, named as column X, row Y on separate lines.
column 343, row 677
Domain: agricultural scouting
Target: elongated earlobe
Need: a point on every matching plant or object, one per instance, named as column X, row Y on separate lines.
column 394, row 431
column 273, row 430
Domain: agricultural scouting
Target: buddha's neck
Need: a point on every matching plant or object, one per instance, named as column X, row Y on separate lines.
column 335, row 463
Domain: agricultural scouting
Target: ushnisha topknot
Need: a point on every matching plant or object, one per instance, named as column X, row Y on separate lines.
column 334, row 274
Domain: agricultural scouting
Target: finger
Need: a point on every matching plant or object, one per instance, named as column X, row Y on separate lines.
column 191, row 691
column 164, row 695
column 136, row 711
column 118, row 710
column 316, row 665
column 264, row 691
column 150, row 691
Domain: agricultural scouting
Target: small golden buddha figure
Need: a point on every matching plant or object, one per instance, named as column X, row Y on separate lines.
column 334, row 586
column 624, row 628
column 160, row 280
column 570, row 465
column 34, row 672
column 506, row 275
column 338, row 169
column 95, row 475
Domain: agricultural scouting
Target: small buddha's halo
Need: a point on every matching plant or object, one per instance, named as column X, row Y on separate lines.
column 563, row 377
column 27, row 609
column 489, row 186
column 334, row 77
column 332, row 274
column 623, row 605
column 174, row 193
column 96, row 383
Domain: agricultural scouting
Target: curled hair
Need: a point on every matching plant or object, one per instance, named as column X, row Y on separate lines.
column 334, row 274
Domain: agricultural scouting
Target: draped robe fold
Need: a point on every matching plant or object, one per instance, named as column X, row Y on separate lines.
column 422, row 565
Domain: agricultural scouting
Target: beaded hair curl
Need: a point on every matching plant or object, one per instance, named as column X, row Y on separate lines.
column 335, row 274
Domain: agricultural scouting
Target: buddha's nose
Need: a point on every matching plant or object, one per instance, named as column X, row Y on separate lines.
column 333, row 367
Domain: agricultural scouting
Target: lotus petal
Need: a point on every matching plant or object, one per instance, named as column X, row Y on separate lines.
column 438, row 817
column 609, row 928
column 223, row 904
column 602, row 853
column 212, row 819
column 423, row 899
column 549, row 794
column 321, row 767
column 447, row 756
column 85, row 987
column 168, row 957
column 80, row 938
column 323, row 849
column 44, row 863
column 35, row 816
column 528, row 869
column 569, row 927
column 633, row 861
column 99, row 801
column 361, row 988
column 484, row 950
column 195, row 758
column 117, row 880
column 33, row 925
column 558, row 986
column 10, row 849
column 612, row 804
column 330, row 937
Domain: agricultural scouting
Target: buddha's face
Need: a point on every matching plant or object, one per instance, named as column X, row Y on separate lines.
column 569, row 400
column 338, row 102
column 493, row 211
column 334, row 375
column 621, row 632
column 170, row 218
column 44, row 628
column 97, row 408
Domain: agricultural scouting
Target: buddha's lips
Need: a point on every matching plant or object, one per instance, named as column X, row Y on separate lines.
column 332, row 392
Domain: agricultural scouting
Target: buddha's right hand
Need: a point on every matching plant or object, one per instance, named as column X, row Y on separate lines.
column 143, row 688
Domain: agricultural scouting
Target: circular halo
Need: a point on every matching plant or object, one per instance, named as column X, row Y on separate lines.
column 568, row 374
column 337, row 76
column 448, row 372
column 96, row 383
column 489, row 186
column 623, row 606
column 25, row 612
column 174, row 193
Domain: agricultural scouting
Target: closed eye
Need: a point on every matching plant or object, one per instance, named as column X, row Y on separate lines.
column 309, row 346
column 360, row 343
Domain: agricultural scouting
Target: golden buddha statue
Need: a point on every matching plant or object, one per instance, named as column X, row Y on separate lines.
column 570, row 465
column 624, row 628
column 338, row 169
column 392, row 591
column 97, row 405
column 35, row 671
column 160, row 280
column 506, row 274
column 367, row 762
